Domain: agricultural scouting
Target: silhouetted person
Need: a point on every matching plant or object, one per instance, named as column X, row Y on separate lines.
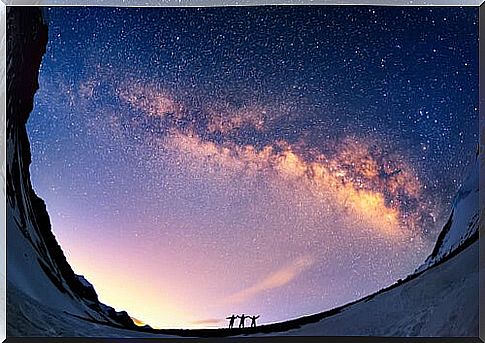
column 241, row 323
column 231, row 321
column 253, row 320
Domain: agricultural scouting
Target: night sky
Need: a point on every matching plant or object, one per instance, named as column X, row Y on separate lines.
column 278, row 161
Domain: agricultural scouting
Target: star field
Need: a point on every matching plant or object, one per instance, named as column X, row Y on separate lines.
column 198, row 162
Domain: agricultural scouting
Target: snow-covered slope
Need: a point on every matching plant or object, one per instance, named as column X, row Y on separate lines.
column 463, row 222
column 29, row 317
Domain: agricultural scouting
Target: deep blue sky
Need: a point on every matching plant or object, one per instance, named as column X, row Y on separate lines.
column 149, row 130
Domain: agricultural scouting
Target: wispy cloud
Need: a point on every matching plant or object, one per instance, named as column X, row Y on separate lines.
column 207, row 321
column 276, row 279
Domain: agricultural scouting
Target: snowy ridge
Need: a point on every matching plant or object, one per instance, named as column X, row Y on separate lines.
column 463, row 222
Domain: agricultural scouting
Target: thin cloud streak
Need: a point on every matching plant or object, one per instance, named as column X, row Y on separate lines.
column 276, row 279
column 207, row 321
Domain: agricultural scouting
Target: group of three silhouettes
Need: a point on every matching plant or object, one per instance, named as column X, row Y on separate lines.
column 241, row 322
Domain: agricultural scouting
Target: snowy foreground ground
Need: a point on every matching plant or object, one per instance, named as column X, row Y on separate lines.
column 439, row 302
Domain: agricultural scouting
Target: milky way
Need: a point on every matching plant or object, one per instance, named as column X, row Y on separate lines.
column 278, row 161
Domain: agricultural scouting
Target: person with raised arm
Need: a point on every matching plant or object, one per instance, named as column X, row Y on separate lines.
column 243, row 318
column 253, row 320
column 231, row 321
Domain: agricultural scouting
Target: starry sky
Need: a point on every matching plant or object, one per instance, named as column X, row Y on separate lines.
column 280, row 161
